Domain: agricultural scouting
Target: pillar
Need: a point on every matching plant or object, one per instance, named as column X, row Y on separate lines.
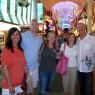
column 34, row 9
column 89, row 15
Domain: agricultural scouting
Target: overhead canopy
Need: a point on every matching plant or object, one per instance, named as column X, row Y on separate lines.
column 64, row 11
column 49, row 3
column 67, row 11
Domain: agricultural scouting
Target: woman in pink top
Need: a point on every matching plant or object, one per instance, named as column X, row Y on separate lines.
column 13, row 64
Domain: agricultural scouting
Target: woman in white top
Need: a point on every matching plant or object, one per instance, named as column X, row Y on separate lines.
column 69, row 80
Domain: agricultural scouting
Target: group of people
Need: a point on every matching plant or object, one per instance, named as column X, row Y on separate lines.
column 20, row 56
column 81, row 64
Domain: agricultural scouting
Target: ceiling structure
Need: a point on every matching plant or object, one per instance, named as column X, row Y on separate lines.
column 49, row 4
column 62, row 10
column 65, row 12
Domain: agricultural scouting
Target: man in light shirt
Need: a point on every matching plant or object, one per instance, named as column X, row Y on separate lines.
column 31, row 43
column 86, row 60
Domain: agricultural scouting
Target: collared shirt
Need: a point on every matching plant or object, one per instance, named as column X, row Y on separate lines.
column 31, row 45
column 86, row 53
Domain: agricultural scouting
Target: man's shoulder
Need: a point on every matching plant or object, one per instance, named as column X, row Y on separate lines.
column 39, row 36
column 25, row 33
column 91, row 36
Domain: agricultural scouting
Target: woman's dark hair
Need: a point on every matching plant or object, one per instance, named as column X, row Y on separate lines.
column 9, row 43
column 0, row 50
column 67, row 40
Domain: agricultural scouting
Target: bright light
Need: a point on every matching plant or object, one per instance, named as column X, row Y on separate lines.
column 6, row 26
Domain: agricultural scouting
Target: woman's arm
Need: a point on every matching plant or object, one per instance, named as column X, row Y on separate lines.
column 6, row 75
column 59, row 54
column 26, row 70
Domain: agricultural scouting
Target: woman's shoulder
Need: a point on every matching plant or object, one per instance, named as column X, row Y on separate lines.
column 5, row 50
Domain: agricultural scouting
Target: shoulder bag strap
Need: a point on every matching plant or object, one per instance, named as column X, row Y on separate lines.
column 64, row 47
column 41, row 48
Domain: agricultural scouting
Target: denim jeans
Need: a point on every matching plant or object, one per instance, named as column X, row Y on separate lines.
column 46, row 79
column 86, row 83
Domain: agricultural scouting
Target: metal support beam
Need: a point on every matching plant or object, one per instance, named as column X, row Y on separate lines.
column 89, row 15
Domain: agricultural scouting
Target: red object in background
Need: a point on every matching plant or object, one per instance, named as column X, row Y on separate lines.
column 41, row 27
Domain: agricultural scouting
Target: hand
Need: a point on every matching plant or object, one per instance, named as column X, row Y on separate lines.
column 59, row 54
column 29, row 81
column 29, row 84
column 11, row 90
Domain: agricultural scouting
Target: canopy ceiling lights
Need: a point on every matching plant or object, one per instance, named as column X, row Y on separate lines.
column 64, row 13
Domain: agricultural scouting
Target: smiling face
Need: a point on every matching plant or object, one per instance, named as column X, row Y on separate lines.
column 15, row 37
column 51, row 37
column 34, row 26
column 71, row 39
column 81, row 29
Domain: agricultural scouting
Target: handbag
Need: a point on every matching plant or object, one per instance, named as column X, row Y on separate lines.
column 61, row 67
